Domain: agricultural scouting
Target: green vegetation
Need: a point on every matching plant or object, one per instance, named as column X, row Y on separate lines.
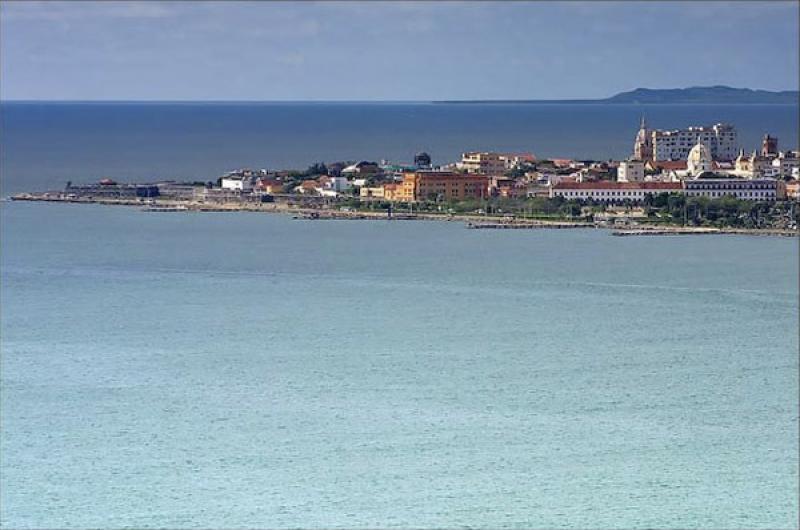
column 667, row 209
column 722, row 212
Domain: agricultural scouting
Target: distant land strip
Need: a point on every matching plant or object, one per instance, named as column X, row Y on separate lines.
column 697, row 95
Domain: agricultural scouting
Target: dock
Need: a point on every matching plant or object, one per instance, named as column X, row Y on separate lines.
column 488, row 225
column 703, row 231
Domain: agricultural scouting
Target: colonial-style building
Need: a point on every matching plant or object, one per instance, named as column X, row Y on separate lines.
column 714, row 186
column 613, row 192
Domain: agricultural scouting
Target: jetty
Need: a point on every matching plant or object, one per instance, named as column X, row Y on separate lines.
column 522, row 225
column 693, row 231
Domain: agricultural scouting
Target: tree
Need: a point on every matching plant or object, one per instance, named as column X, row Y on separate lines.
column 317, row 168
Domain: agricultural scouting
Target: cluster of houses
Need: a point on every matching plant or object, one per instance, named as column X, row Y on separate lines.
column 697, row 161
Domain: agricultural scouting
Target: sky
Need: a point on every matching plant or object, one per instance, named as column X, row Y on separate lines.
column 363, row 51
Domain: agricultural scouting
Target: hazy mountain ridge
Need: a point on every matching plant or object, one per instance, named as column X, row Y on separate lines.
column 713, row 94
column 705, row 95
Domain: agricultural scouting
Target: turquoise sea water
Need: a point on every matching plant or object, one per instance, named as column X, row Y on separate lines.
column 251, row 370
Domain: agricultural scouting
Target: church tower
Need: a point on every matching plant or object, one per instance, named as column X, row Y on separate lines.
column 643, row 146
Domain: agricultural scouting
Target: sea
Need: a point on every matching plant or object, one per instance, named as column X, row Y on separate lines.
column 251, row 370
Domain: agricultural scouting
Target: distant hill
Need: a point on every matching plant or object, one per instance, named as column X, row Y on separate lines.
column 700, row 94
column 666, row 96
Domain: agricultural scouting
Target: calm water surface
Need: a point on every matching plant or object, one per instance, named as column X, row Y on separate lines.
column 251, row 370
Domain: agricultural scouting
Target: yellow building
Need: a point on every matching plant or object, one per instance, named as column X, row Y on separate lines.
column 403, row 191
column 435, row 185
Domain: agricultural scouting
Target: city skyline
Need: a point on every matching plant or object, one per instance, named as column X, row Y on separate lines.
column 398, row 51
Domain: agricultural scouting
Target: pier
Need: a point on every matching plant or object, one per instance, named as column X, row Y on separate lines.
column 488, row 225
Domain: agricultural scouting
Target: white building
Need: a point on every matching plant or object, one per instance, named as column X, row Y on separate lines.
column 715, row 186
column 699, row 160
column 337, row 184
column 613, row 192
column 786, row 162
column 237, row 183
column 675, row 145
column 630, row 171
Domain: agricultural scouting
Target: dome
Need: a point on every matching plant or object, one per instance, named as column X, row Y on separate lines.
column 699, row 159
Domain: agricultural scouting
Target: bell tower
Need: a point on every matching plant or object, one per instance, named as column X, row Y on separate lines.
column 643, row 146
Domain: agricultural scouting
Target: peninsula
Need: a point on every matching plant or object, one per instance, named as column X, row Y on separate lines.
column 692, row 180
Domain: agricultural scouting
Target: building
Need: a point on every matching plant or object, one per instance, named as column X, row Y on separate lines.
column 506, row 187
column 754, row 166
column 769, row 146
column 643, row 146
column 337, row 184
column 699, row 160
column 238, row 183
column 422, row 160
column 483, row 163
column 402, row 191
column 612, row 192
column 786, row 162
column 376, row 192
column 515, row 160
column 268, row 185
column 714, row 186
column 362, row 168
column 665, row 166
column 793, row 190
column 309, row 187
column 221, row 195
column 720, row 139
column 179, row 190
column 447, row 186
column 436, row 186
column 630, row 171
column 109, row 189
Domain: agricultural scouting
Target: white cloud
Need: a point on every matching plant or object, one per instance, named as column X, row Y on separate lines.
column 58, row 10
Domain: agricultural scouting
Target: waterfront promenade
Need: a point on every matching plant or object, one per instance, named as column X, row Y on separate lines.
column 472, row 221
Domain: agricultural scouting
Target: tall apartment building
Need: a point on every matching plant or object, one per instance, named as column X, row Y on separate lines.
column 676, row 144
column 660, row 145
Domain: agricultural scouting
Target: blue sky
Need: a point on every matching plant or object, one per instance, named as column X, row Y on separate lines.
column 389, row 50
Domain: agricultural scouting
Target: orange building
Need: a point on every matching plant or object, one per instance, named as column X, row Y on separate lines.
column 437, row 185
column 404, row 191
column 448, row 186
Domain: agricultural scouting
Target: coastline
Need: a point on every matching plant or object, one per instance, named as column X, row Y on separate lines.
column 471, row 221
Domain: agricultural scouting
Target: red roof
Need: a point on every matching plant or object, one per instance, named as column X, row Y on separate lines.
column 670, row 164
column 608, row 185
